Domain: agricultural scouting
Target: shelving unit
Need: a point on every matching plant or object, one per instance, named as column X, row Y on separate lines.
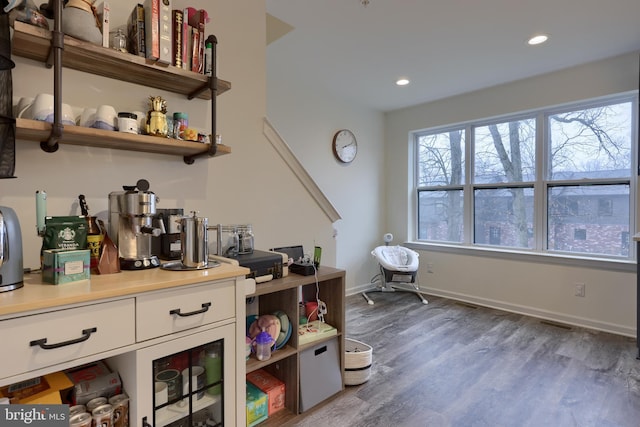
column 283, row 294
column 35, row 43
column 37, row 131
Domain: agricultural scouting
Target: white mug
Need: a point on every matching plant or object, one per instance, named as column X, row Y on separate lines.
column 142, row 121
column 197, row 380
column 23, row 104
column 41, row 108
column 106, row 118
column 161, row 392
column 87, row 117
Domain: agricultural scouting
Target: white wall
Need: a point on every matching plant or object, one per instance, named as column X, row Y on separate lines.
column 244, row 187
column 539, row 288
column 307, row 116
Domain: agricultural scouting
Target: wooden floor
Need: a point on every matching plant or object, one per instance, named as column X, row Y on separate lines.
column 451, row 364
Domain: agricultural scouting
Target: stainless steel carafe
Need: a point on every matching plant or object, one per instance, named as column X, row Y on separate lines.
column 194, row 241
column 11, row 267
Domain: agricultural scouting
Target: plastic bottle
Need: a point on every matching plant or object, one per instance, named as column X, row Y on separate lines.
column 213, row 367
column 208, row 59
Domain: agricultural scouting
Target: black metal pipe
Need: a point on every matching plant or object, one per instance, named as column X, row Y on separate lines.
column 213, row 87
column 57, row 43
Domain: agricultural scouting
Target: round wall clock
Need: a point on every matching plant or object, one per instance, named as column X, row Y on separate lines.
column 345, row 146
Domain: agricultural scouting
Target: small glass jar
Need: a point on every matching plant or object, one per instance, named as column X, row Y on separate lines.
column 120, row 41
column 180, row 124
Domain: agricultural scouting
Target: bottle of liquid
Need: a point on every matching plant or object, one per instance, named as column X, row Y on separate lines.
column 263, row 343
column 94, row 235
column 94, row 242
column 213, row 367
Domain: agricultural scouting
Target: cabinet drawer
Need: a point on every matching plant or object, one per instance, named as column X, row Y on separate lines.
column 176, row 310
column 64, row 335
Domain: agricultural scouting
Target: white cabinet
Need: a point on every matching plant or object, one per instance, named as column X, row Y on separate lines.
column 47, row 339
column 155, row 324
column 137, row 371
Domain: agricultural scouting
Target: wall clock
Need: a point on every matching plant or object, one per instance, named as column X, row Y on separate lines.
column 345, row 146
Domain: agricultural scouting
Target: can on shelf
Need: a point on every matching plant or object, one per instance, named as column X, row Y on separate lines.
column 94, row 403
column 81, row 419
column 103, row 416
column 76, row 409
column 120, row 403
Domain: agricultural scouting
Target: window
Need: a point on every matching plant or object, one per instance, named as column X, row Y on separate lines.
column 551, row 181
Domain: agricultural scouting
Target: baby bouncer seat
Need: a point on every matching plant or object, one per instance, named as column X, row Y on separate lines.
column 398, row 270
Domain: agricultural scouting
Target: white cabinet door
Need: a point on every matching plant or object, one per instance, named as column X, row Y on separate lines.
column 136, row 372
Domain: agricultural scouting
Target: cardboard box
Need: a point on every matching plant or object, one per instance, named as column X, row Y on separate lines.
column 93, row 380
column 39, row 390
column 61, row 266
column 273, row 387
column 257, row 405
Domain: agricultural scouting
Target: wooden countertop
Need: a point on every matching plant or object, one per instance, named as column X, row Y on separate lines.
column 36, row 295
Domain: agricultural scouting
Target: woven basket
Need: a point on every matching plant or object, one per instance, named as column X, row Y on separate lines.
column 357, row 362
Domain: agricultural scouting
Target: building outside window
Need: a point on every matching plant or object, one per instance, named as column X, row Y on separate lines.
column 554, row 180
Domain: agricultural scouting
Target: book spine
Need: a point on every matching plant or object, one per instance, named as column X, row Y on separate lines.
column 177, row 38
column 136, row 31
column 201, row 23
column 166, row 32
column 186, row 37
column 151, row 23
column 103, row 14
column 197, row 21
column 195, row 43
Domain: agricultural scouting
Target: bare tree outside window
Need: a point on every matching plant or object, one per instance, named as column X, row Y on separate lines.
column 441, row 168
column 586, row 181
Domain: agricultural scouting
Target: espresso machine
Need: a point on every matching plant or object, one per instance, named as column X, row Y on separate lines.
column 132, row 225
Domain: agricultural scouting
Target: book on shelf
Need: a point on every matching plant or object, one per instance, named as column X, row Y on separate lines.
column 314, row 331
column 195, row 57
column 152, row 29
column 176, row 58
column 135, row 31
column 197, row 19
column 103, row 12
column 186, row 40
column 165, row 33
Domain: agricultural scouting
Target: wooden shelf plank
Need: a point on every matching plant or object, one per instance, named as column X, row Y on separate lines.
column 34, row 130
column 30, row 41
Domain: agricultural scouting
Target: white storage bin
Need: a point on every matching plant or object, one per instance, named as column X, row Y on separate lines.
column 357, row 362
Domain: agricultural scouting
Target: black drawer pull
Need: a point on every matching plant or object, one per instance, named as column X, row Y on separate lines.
column 205, row 308
column 86, row 333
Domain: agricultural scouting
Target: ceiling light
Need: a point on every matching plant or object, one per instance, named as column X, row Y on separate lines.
column 402, row 82
column 541, row 38
column 364, row 2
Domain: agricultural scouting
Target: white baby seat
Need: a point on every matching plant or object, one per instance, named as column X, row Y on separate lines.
column 398, row 271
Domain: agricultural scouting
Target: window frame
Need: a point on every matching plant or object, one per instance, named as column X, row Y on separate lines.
column 540, row 186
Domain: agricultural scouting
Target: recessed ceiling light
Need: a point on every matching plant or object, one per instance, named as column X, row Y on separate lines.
column 402, row 82
column 541, row 38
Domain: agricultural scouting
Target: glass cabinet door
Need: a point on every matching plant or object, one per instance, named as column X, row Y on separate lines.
column 188, row 387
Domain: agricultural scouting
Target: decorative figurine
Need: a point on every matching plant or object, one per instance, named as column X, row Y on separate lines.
column 157, row 118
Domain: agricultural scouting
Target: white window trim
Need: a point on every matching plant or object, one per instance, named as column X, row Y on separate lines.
column 626, row 264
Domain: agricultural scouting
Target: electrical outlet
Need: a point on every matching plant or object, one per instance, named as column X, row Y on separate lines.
column 579, row 290
column 430, row 268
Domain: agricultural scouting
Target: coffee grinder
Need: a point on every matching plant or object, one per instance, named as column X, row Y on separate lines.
column 131, row 225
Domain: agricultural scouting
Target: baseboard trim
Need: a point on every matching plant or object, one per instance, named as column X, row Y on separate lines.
column 520, row 309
